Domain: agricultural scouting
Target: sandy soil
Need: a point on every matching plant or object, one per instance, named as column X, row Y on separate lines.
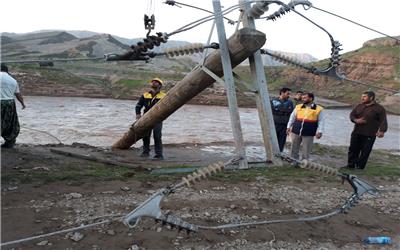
column 40, row 194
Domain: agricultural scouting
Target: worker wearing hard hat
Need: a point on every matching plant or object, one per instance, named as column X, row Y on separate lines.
column 148, row 100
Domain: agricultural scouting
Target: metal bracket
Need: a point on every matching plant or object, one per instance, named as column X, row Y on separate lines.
column 151, row 208
column 210, row 73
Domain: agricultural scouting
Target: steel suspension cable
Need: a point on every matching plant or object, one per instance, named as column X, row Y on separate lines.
column 202, row 20
column 59, row 232
column 354, row 22
column 372, row 86
column 56, row 60
column 265, row 222
column 176, row 3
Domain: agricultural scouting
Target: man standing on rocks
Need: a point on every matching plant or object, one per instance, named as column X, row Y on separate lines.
column 369, row 120
column 148, row 100
column 9, row 116
column 306, row 121
column 282, row 107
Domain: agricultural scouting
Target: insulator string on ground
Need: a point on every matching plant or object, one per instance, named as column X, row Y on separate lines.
column 203, row 173
column 319, row 167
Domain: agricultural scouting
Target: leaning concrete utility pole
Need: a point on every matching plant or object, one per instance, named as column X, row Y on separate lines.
column 230, row 86
column 260, row 83
column 241, row 45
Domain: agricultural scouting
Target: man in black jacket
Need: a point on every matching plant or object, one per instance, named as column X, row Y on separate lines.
column 369, row 120
column 282, row 107
column 148, row 100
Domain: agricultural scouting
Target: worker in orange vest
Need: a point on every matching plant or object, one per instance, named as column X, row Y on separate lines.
column 306, row 122
column 148, row 100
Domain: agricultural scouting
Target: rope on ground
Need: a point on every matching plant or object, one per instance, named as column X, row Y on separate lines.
column 44, row 132
column 59, row 232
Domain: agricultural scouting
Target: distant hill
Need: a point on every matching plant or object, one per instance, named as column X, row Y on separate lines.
column 57, row 44
column 377, row 63
column 80, row 43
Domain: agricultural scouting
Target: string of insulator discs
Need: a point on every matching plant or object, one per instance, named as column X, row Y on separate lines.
column 203, row 173
column 285, row 9
column 334, row 61
column 286, row 60
column 319, row 167
column 139, row 51
column 188, row 49
column 184, row 50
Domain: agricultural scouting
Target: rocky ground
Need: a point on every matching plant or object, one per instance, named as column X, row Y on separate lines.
column 45, row 191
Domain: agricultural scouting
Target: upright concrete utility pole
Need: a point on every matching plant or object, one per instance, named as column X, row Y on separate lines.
column 260, row 83
column 230, row 86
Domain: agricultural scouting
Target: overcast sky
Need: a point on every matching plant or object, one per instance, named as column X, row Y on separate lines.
column 125, row 18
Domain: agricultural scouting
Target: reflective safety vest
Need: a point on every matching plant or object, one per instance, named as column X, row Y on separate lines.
column 160, row 95
column 148, row 101
column 306, row 122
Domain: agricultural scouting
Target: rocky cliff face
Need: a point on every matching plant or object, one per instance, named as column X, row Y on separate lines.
column 382, row 41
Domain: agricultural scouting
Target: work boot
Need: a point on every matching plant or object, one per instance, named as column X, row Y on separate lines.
column 158, row 157
column 145, row 154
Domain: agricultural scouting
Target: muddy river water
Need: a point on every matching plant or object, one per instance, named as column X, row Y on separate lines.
column 100, row 122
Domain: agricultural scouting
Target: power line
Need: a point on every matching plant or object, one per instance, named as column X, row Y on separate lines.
column 372, row 86
column 354, row 22
column 202, row 20
column 55, row 60
column 59, row 232
column 177, row 4
column 312, row 70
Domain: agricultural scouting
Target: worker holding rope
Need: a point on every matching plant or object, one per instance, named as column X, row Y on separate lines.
column 9, row 117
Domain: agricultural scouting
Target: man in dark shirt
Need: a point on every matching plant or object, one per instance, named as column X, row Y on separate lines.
column 282, row 107
column 298, row 98
column 148, row 100
column 369, row 120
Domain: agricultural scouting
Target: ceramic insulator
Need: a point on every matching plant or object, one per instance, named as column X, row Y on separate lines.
column 184, row 50
column 322, row 168
column 203, row 173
